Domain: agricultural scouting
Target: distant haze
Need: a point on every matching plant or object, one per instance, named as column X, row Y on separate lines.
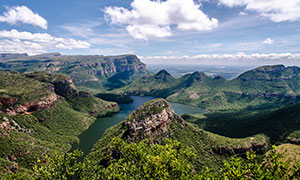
column 241, row 59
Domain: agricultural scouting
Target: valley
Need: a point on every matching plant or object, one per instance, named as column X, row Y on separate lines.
column 46, row 108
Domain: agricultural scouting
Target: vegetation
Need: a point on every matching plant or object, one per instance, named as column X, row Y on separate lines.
column 171, row 160
column 281, row 125
column 211, row 149
column 264, row 87
column 28, row 136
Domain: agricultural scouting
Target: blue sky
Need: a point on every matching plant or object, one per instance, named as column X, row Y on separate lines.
column 148, row 28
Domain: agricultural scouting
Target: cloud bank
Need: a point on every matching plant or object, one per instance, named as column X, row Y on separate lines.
column 147, row 19
column 276, row 10
column 239, row 59
column 34, row 43
column 23, row 15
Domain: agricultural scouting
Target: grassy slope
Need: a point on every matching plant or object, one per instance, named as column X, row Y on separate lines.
column 48, row 129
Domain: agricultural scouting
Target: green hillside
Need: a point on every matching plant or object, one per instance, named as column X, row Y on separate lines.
column 41, row 113
column 263, row 87
column 144, row 123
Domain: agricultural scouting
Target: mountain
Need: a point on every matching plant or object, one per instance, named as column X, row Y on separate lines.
column 263, row 87
column 156, row 120
column 160, row 85
column 91, row 71
column 41, row 113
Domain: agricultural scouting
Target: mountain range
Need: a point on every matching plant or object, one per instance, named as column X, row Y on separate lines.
column 48, row 100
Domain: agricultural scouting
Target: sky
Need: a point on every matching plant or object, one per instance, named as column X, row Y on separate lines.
column 158, row 31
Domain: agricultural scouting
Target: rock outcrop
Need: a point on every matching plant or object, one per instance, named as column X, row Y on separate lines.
column 27, row 108
column 153, row 120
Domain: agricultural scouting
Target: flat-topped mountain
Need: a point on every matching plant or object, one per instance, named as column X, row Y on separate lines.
column 91, row 71
column 277, row 85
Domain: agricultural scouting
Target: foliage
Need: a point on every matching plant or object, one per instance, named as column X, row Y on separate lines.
column 63, row 167
column 124, row 161
column 271, row 168
column 170, row 160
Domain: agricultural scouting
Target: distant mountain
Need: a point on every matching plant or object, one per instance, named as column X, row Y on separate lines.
column 262, row 86
column 40, row 113
column 91, row 71
column 156, row 120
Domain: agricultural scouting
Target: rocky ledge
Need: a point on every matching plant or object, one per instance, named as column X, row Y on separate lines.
column 44, row 102
column 152, row 120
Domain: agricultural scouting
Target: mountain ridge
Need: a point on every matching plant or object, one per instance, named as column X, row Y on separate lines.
column 263, row 85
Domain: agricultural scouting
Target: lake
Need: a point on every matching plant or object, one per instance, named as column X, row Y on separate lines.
column 89, row 137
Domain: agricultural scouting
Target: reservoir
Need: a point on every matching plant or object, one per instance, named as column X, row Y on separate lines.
column 89, row 137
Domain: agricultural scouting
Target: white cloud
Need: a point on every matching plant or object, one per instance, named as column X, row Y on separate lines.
column 34, row 43
column 276, row 10
column 269, row 41
column 149, row 18
column 24, row 15
column 148, row 31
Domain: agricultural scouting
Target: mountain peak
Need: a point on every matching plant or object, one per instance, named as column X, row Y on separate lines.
column 163, row 75
column 152, row 120
column 163, row 72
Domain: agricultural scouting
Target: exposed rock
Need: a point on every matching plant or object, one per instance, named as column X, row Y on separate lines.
column 153, row 121
column 194, row 96
column 14, row 167
column 64, row 87
column 30, row 107
column 7, row 101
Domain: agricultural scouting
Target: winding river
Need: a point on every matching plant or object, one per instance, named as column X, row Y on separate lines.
column 89, row 137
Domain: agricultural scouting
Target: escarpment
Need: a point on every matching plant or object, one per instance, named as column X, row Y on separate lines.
column 89, row 70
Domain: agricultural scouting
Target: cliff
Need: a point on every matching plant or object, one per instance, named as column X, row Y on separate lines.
column 92, row 71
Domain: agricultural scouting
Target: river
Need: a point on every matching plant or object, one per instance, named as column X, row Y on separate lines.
column 89, row 137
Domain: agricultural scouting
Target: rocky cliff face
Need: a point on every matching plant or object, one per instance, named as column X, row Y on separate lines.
column 27, row 108
column 82, row 69
column 153, row 120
